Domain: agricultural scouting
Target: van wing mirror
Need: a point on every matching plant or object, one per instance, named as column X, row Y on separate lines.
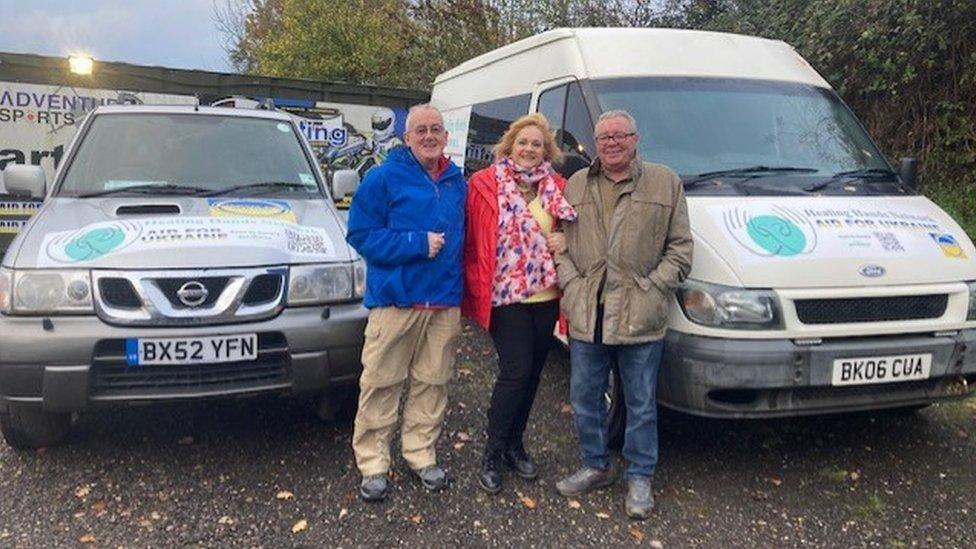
column 344, row 183
column 908, row 171
column 572, row 163
column 25, row 179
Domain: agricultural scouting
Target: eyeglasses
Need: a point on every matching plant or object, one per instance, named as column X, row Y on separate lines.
column 603, row 139
column 424, row 130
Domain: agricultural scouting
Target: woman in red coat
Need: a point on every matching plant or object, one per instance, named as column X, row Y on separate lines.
column 513, row 207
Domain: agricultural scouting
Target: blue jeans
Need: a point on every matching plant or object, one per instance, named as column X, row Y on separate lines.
column 638, row 366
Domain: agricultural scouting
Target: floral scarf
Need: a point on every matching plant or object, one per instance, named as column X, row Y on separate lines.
column 524, row 264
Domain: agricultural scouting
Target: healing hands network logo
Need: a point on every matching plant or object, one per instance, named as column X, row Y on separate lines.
column 781, row 232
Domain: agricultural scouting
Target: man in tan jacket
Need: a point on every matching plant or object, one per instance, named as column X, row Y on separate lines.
column 626, row 253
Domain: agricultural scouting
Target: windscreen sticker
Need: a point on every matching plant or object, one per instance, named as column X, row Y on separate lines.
column 307, row 179
column 788, row 229
column 104, row 239
column 252, row 207
column 283, row 128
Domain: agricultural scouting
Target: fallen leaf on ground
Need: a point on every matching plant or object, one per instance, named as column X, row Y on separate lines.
column 458, row 445
column 299, row 526
column 185, row 441
column 78, row 515
column 343, row 513
column 416, row 519
column 855, row 475
column 463, row 436
column 284, row 494
column 87, row 538
column 462, row 405
column 99, row 507
column 602, row 515
column 82, row 492
column 776, row 481
column 566, row 409
column 226, row 520
column 636, row 534
column 528, row 502
column 573, row 504
column 655, row 544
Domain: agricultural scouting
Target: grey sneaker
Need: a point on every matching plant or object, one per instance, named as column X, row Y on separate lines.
column 374, row 487
column 585, row 480
column 433, row 478
column 640, row 498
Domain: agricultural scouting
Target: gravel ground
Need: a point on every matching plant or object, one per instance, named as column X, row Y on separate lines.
column 268, row 473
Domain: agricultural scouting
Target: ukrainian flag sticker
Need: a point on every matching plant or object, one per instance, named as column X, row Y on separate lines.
column 949, row 245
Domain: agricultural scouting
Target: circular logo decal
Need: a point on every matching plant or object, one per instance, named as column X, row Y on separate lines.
column 94, row 243
column 776, row 235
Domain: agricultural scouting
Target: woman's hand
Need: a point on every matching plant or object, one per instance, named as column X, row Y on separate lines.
column 556, row 243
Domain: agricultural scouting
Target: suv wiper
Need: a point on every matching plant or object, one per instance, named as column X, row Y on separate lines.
column 148, row 189
column 268, row 185
column 870, row 173
column 747, row 172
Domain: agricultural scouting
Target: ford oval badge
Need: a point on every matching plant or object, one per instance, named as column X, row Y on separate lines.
column 872, row 271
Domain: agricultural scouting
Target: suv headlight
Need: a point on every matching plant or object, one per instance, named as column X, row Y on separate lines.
column 727, row 307
column 45, row 292
column 325, row 283
column 970, row 315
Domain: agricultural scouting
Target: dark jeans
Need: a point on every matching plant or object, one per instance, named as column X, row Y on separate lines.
column 638, row 365
column 522, row 333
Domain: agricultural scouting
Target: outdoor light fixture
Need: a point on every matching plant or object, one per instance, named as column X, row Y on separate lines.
column 81, row 64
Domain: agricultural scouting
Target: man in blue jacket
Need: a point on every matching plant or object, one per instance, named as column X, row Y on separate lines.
column 407, row 221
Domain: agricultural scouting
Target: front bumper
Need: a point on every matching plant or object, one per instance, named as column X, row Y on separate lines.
column 77, row 362
column 736, row 378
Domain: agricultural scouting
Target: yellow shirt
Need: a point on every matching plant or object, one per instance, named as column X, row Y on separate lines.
column 545, row 222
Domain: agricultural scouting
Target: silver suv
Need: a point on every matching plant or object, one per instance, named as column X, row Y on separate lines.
column 181, row 253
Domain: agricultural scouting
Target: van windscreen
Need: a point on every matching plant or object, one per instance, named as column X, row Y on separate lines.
column 700, row 125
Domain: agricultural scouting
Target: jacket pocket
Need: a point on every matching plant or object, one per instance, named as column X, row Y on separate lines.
column 646, row 229
column 647, row 308
column 575, row 304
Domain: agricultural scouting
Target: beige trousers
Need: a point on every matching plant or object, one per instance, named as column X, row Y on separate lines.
column 418, row 344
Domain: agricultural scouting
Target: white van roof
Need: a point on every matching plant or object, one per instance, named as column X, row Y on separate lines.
column 624, row 52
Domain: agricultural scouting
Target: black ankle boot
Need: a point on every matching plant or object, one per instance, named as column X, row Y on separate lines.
column 490, row 478
column 520, row 462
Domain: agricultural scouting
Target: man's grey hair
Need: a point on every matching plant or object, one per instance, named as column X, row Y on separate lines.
column 417, row 108
column 619, row 113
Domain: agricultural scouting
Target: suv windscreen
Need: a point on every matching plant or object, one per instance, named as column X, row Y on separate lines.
column 191, row 153
column 698, row 126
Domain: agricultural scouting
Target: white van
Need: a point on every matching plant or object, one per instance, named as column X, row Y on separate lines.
column 822, row 282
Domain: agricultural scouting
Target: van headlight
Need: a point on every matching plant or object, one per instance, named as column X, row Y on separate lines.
column 726, row 307
column 45, row 292
column 970, row 315
column 325, row 283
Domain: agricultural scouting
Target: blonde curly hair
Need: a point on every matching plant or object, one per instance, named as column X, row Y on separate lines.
column 550, row 151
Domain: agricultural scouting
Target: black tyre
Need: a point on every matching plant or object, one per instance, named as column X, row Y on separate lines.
column 616, row 411
column 30, row 427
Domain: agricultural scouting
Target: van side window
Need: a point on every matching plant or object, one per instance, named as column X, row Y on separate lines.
column 578, row 125
column 571, row 120
column 488, row 122
column 552, row 105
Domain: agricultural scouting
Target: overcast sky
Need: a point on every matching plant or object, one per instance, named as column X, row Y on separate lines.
column 173, row 33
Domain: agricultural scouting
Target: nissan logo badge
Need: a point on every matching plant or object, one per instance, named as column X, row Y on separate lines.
column 192, row 293
column 872, row 271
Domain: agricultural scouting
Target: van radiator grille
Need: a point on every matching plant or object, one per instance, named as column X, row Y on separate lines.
column 111, row 376
column 871, row 309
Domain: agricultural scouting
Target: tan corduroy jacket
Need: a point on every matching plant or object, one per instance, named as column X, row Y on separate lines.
column 645, row 256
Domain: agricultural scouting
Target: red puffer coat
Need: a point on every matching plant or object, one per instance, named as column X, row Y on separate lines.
column 480, row 243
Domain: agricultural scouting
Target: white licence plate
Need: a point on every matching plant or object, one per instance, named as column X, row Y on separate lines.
column 191, row 350
column 881, row 369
